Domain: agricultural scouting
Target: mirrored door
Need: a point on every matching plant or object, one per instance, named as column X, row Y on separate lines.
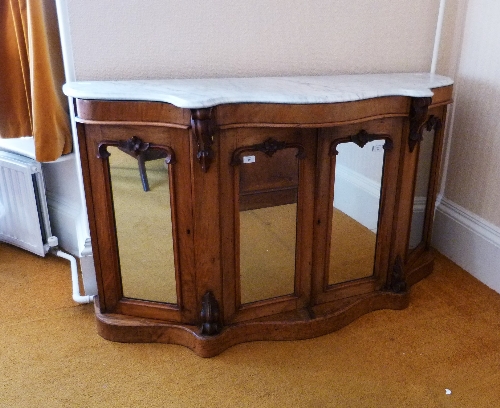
column 267, row 196
column 356, row 195
column 141, row 220
column 140, row 185
column 355, row 212
column 425, row 179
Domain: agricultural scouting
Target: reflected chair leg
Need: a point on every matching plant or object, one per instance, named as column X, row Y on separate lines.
column 142, row 172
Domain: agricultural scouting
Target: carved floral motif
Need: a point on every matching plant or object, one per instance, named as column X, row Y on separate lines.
column 135, row 147
column 433, row 123
column 418, row 115
column 202, row 128
column 361, row 139
column 268, row 147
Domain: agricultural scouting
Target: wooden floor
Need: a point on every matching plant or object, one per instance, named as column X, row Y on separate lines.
column 447, row 339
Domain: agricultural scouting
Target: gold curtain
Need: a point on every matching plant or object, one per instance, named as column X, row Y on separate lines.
column 31, row 77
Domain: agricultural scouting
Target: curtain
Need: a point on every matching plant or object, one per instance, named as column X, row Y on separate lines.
column 31, row 77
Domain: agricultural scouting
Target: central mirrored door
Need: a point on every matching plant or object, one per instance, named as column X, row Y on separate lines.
column 267, row 265
column 267, row 197
column 267, row 224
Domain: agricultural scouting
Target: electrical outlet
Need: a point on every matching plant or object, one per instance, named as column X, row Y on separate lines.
column 248, row 159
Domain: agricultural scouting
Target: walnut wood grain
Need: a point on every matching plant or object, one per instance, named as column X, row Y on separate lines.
column 123, row 111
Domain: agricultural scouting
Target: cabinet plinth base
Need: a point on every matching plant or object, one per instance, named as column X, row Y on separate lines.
column 300, row 326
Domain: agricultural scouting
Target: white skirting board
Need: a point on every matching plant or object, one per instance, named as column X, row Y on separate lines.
column 357, row 196
column 468, row 240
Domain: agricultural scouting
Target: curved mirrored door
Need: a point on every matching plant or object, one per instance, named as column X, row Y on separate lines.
column 356, row 201
column 422, row 182
column 143, row 216
column 268, row 186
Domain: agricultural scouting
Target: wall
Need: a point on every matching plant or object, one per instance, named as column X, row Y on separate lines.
column 476, row 136
column 215, row 38
column 468, row 221
column 200, row 38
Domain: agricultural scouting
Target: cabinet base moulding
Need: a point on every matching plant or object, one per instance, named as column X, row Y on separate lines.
column 296, row 326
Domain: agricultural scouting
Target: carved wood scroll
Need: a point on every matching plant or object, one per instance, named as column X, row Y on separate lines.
column 433, row 123
column 210, row 315
column 418, row 115
column 268, row 147
column 398, row 283
column 361, row 139
column 135, row 147
column 202, row 128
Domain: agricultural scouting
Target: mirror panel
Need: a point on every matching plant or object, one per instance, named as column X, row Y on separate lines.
column 421, row 189
column 267, row 224
column 143, row 226
column 357, row 186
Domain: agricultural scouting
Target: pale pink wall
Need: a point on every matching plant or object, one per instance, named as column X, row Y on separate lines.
column 473, row 172
column 214, row 38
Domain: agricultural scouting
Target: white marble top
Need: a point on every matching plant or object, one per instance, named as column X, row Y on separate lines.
column 205, row 93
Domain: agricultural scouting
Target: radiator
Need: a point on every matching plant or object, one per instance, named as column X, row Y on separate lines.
column 24, row 217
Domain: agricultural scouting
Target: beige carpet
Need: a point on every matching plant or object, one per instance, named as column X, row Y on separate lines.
column 51, row 356
column 267, row 252
column 352, row 252
column 267, row 244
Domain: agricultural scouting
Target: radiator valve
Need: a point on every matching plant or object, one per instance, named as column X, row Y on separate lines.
column 52, row 241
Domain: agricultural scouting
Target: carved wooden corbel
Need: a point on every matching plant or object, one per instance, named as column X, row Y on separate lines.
column 268, row 147
column 398, row 282
column 202, row 128
column 210, row 315
column 418, row 115
column 361, row 139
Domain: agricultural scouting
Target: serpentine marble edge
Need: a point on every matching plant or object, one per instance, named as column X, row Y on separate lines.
column 205, row 93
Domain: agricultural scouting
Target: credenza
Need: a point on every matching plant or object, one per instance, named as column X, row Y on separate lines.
column 229, row 210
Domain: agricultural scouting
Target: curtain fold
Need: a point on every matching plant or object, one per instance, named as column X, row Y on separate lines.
column 31, row 77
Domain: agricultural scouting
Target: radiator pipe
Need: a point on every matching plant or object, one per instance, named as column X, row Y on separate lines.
column 54, row 249
column 437, row 37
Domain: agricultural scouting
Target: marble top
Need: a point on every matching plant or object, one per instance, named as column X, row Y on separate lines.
column 205, row 93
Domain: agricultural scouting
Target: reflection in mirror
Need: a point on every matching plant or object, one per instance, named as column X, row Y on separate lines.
column 143, row 226
column 268, row 223
column 358, row 179
column 421, row 189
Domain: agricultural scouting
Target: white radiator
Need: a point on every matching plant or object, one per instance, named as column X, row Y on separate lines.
column 24, row 217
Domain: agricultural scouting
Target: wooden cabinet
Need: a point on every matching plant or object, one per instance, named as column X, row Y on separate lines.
column 263, row 221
